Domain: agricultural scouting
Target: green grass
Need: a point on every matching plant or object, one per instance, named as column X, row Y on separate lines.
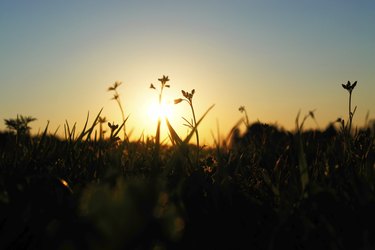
column 264, row 189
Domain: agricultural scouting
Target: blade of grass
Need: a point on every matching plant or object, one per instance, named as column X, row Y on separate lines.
column 304, row 174
column 84, row 127
column 95, row 122
column 176, row 140
column 120, row 127
column 187, row 139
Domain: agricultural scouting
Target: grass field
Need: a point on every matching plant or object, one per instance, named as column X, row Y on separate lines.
column 266, row 188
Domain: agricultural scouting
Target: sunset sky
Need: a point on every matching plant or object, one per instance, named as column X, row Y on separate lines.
column 57, row 59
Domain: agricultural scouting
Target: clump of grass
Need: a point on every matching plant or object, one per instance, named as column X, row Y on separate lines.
column 116, row 97
column 20, row 124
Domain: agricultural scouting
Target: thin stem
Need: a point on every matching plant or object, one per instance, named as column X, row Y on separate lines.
column 190, row 102
column 159, row 120
column 195, row 125
column 247, row 119
column 100, row 131
column 123, row 117
column 350, row 112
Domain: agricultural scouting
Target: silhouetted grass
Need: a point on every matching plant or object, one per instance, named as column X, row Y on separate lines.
column 266, row 188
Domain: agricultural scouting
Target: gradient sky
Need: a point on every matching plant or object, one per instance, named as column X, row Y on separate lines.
column 57, row 59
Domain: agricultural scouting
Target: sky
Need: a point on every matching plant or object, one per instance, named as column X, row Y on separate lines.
column 275, row 58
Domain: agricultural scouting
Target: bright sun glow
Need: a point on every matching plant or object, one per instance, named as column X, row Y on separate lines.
column 156, row 111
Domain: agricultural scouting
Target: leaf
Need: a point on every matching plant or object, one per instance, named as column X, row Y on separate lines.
column 354, row 84
column 42, row 139
column 89, row 131
column 190, row 123
column 269, row 183
column 304, row 174
column 84, row 127
column 175, row 138
column 122, row 125
column 177, row 101
column 94, row 123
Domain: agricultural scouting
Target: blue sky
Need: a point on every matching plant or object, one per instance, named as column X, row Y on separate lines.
column 57, row 59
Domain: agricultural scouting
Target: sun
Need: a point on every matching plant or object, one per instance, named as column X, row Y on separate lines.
column 163, row 110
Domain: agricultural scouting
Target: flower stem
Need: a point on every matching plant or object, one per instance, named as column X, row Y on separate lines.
column 196, row 129
column 350, row 112
column 123, row 117
column 195, row 124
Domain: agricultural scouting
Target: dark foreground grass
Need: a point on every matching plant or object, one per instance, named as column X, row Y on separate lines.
column 83, row 193
column 264, row 189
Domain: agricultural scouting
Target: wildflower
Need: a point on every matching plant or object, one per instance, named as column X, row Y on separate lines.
column 115, row 97
column 102, row 119
column 112, row 126
column 189, row 99
column 241, row 109
column 115, row 85
column 164, row 80
column 187, row 95
column 349, row 87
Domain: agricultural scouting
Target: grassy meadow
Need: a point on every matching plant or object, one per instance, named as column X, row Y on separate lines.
column 265, row 188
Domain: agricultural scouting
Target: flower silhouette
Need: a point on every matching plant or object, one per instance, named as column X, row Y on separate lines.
column 164, row 80
column 115, row 85
column 349, row 87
